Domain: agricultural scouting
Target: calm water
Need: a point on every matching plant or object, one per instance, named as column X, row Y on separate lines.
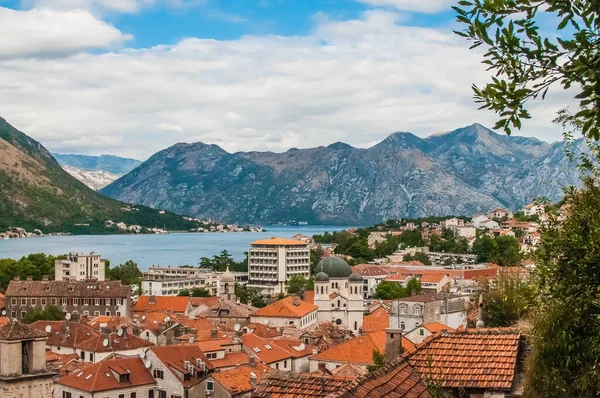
column 147, row 250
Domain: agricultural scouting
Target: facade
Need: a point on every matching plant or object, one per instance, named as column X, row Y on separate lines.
column 411, row 312
column 79, row 267
column 93, row 298
column 464, row 231
column 290, row 311
column 23, row 362
column 113, row 378
column 169, row 281
column 440, row 258
column 273, row 262
column 339, row 294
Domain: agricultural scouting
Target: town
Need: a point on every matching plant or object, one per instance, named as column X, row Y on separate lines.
column 289, row 323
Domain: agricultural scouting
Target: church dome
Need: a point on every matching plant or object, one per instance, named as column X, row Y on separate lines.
column 321, row 277
column 355, row 277
column 334, row 267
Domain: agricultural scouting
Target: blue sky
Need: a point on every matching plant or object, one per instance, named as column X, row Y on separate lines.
column 131, row 77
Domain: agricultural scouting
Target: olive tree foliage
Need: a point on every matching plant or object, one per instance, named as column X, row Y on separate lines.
column 526, row 64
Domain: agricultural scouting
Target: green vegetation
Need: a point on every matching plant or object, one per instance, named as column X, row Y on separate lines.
column 524, row 63
column 378, row 361
column 388, row 290
column 220, row 262
column 250, row 294
column 298, row 284
column 49, row 313
column 501, row 250
column 34, row 265
column 128, row 273
column 448, row 243
column 506, row 300
column 195, row 292
column 418, row 256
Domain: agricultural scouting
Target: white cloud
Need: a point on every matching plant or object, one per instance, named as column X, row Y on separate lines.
column 109, row 6
column 425, row 6
column 50, row 32
column 353, row 81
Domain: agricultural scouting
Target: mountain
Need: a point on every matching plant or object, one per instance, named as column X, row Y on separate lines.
column 109, row 163
column 35, row 192
column 96, row 171
column 465, row 171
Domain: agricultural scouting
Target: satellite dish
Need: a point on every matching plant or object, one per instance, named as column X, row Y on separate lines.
column 48, row 328
column 143, row 354
column 148, row 364
column 68, row 316
column 3, row 312
column 252, row 374
column 143, row 317
column 167, row 318
column 237, row 327
column 120, row 332
column 266, row 321
column 105, row 343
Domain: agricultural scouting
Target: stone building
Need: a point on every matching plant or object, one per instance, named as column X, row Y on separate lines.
column 227, row 285
column 79, row 267
column 273, row 262
column 411, row 312
column 23, row 362
column 339, row 293
column 77, row 298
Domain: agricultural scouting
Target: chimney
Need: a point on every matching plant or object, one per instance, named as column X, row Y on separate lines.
column 393, row 344
column 237, row 300
column 480, row 323
column 249, row 302
column 152, row 299
column 29, row 278
column 213, row 334
column 251, row 361
column 322, row 367
column 44, row 278
column 296, row 301
column 17, row 278
column 193, row 332
column 253, row 380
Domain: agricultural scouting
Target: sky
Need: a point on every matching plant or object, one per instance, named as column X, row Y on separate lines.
column 132, row 77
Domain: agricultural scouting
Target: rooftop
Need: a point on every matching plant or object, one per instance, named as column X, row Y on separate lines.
column 469, row 358
column 286, row 308
column 65, row 333
column 162, row 303
column 87, row 289
column 115, row 343
column 174, row 357
column 266, row 351
column 19, row 331
column 237, row 381
column 376, row 321
column 106, row 376
column 279, row 242
column 231, row 359
column 293, row 385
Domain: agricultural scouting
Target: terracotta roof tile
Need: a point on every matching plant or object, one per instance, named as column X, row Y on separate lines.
column 286, row 308
column 376, row 321
column 292, row 385
column 349, row 370
column 59, row 335
column 86, row 289
column 206, row 301
column 152, row 320
column 397, row 380
column 213, row 345
column 262, row 330
column 432, row 278
column 115, row 343
column 4, row 320
column 237, row 380
column 230, row 359
column 296, row 347
column 357, row 350
column 280, row 242
column 104, row 376
column 435, row 327
column 163, row 303
column 173, row 357
column 474, row 359
column 19, row 331
column 265, row 350
column 226, row 309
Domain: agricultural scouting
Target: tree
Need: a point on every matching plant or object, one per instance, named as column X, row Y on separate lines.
column 49, row 313
column 250, row 294
column 298, row 284
column 418, row 256
column 184, row 292
column 315, row 257
column 34, row 265
column 128, row 273
column 525, row 64
column 501, row 250
column 200, row 292
column 378, row 361
column 566, row 331
column 506, row 300
column 389, row 290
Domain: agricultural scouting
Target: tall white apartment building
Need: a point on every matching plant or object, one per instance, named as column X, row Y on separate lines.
column 273, row 262
column 79, row 267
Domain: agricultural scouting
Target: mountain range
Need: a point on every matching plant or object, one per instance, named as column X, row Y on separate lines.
column 96, row 171
column 35, row 192
column 466, row 171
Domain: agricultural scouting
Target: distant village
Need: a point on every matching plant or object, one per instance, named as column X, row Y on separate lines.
column 334, row 339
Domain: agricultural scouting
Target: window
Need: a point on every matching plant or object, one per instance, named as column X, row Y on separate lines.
column 124, row 378
column 403, row 309
column 150, row 393
column 86, row 312
column 402, row 325
column 119, row 301
column 417, row 310
column 64, row 301
column 121, row 395
column 43, row 301
column 96, row 313
column 53, row 301
column 107, row 302
column 437, row 310
column 96, row 301
column 158, row 374
column 86, row 301
column 23, row 301
column 66, row 394
column 75, row 301
column 422, row 332
column 276, row 366
column 13, row 301
column 147, row 334
column 162, row 394
column 33, row 301
column 91, row 357
column 285, row 364
column 23, row 314
column 210, row 386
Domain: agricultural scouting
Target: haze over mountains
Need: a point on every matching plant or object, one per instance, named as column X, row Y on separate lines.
column 96, row 171
column 465, row 171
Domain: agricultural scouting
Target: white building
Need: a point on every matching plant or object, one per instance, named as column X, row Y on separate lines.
column 411, row 312
column 290, row 311
column 463, row 231
column 79, row 267
column 273, row 262
column 532, row 209
column 339, row 293
column 452, row 222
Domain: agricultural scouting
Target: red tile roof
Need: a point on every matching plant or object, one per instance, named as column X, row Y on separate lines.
column 230, row 359
column 435, row 327
column 471, row 359
column 152, row 320
column 104, row 376
column 173, row 357
column 397, row 380
column 213, row 345
column 85, row 289
column 296, row 347
column 163, row 303
column 19, row 331
column 280, row 242
column 309, row 296
column 377, row 321
column 349, row 370
column 237, row 381
column 263, row 331
column 206, row 301
column 265, row 350
column 125, row 342
column 77, row 333
column 286, row 308
column 432, row 278
column 293, row 385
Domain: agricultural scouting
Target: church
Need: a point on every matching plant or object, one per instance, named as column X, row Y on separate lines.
column 339, row 293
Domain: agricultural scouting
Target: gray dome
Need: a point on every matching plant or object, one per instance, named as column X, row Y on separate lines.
column 334, row 267
column 355, row 277
column 321, row 277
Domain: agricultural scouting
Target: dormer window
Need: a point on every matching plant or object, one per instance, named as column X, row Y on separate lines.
column 124, row 378
column 417, row 310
